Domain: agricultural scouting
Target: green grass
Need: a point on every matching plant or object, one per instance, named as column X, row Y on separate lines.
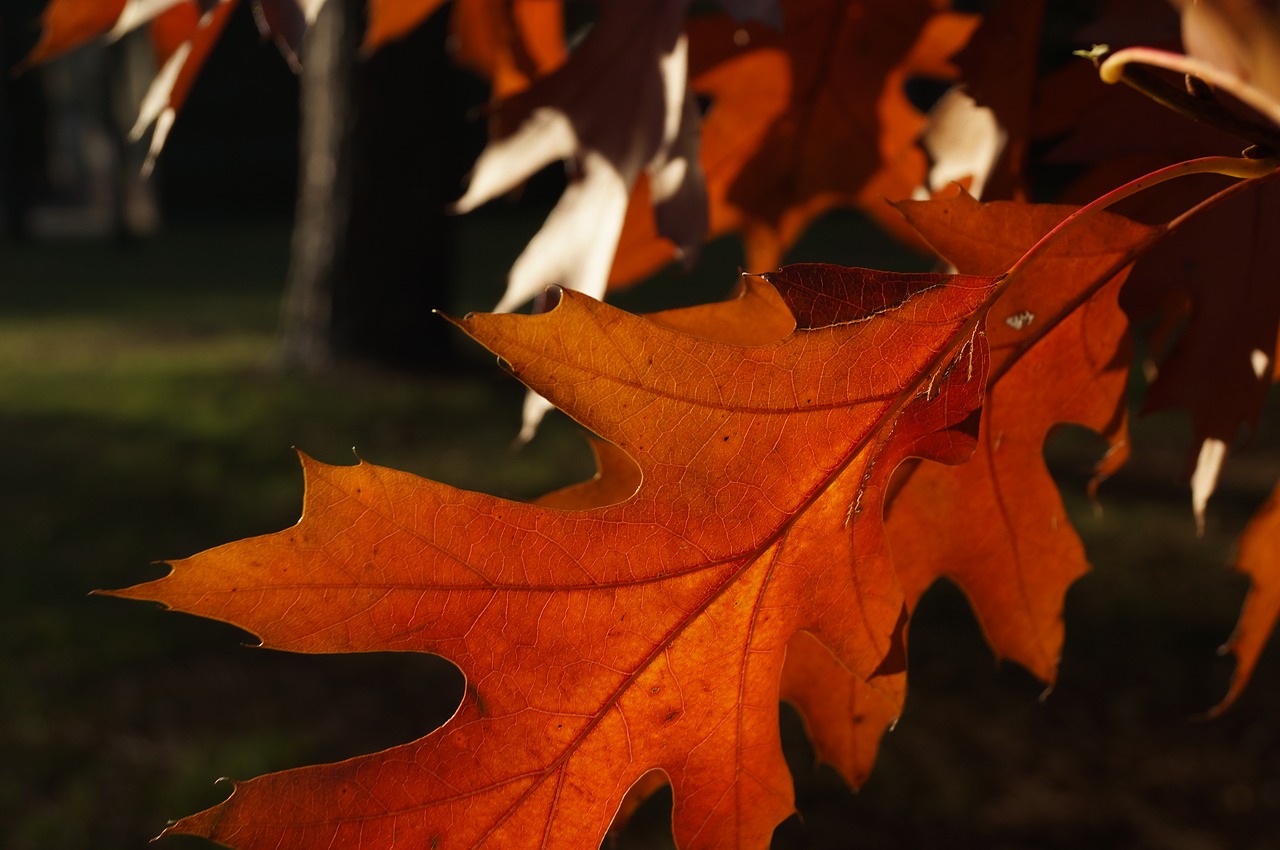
column 141, row 418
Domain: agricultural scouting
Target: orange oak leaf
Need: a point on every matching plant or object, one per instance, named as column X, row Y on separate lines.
column 844, row 716
column 67, row 24
column 602, row 642
column 183, row 38
column 1060, row 352
column 1258, row 558
column 183, row 33
column 510, row 43
column 796, row 124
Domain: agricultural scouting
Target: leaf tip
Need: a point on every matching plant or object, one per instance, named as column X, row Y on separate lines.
column 460, row 322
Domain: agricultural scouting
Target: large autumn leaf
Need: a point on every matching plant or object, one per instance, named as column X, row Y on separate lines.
column 1060, row 353
column 602, row 642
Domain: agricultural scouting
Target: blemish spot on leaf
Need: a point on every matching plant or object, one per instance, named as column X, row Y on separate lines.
column 1018, row 321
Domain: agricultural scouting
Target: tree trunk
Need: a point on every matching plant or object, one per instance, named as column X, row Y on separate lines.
column 324, row 188
column 381, row 159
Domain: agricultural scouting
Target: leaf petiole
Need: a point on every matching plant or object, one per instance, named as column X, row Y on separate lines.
column 1113, row 69
column 1228, row 166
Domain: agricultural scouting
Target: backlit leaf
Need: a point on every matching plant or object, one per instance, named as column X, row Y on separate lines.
column 1060, row 353
column 603, row 642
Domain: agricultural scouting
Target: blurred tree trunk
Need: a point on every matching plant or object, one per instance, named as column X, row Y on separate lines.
column 380, row 160
column 22, row 116
column 324, row 188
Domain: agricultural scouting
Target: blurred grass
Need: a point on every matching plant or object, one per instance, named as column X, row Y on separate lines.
column 141, row 418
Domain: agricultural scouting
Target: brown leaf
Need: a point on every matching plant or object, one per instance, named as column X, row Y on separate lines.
column 599, row 644
column 617, row 107
column 1220, row 367
column 1240, row 37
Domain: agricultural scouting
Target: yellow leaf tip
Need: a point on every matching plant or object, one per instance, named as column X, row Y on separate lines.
column 1094, row 54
